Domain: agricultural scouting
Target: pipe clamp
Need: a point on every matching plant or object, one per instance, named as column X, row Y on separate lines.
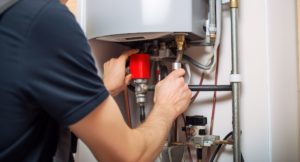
column 235, row 78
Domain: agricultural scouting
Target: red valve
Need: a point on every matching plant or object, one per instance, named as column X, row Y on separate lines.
column 140, row 66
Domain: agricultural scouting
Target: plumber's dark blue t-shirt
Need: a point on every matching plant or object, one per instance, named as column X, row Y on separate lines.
column 47, row 79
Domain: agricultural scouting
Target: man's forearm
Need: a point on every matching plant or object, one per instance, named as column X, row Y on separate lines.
column 154, row 131
column 110, row 139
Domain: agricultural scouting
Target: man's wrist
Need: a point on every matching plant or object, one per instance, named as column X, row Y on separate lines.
column 110, row 90
column 166, row 110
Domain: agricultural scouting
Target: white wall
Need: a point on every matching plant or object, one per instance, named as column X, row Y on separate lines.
column 269, row 98
column 282, row 54
column 255, row 117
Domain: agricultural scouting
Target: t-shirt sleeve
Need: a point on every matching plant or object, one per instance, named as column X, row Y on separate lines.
column 61, row 73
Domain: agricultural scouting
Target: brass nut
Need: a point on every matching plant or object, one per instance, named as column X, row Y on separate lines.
column 213, row 36
column 180, row 41
column 234, row 3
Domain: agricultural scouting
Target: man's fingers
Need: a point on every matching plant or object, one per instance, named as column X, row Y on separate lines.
column 127, row 79
column 128, row 53
column 177, row 73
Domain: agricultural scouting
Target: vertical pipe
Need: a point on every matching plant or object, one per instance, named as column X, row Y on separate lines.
column 235, row 86
column 212, row 16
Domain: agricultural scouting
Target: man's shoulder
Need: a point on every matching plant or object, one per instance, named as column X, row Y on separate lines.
column 33, row 8
column 21, row 17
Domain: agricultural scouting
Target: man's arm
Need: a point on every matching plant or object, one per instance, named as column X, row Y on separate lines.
column 110, row 139
column 114, row 75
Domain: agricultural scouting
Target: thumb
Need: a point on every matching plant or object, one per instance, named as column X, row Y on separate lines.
column 177, row 73
column 128, row 53
column 127, row 79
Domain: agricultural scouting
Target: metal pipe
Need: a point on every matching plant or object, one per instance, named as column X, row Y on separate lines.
column 212, row 19
column 205, row 88
column 236, row 122
column 210, row 87
column 180, row 40
column 235, row 85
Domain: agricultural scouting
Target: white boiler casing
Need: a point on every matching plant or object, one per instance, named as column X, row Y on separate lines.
column 136, row 20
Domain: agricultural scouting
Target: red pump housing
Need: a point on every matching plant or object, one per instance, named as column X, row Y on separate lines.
column 140, row 66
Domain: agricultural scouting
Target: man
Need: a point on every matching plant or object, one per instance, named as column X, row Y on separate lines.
column 48, row 79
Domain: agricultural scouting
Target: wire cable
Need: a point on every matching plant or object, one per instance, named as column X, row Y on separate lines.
column 197, row 93
column 212, row 119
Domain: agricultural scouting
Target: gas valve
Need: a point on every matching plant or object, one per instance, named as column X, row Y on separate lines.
column 195, row 127
column 140, row 72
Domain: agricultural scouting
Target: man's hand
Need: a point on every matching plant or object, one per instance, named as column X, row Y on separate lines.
column 114, row 73
column 172, row 93
column 110, row 139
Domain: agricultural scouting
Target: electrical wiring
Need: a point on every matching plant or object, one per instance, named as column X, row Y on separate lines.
column 212, row 119
column 215, row 95
column 197, row 93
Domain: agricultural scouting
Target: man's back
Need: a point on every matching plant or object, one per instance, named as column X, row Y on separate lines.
column 48, row 78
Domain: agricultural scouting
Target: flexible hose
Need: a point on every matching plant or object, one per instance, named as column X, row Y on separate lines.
column 218, row 33
column 142, row 113
column 197, row 64
column 219, row 147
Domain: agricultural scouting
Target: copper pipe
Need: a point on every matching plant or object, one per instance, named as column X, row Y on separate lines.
column 226, row 142
column 127, row 107
column 215, row 93
column 175, row 130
